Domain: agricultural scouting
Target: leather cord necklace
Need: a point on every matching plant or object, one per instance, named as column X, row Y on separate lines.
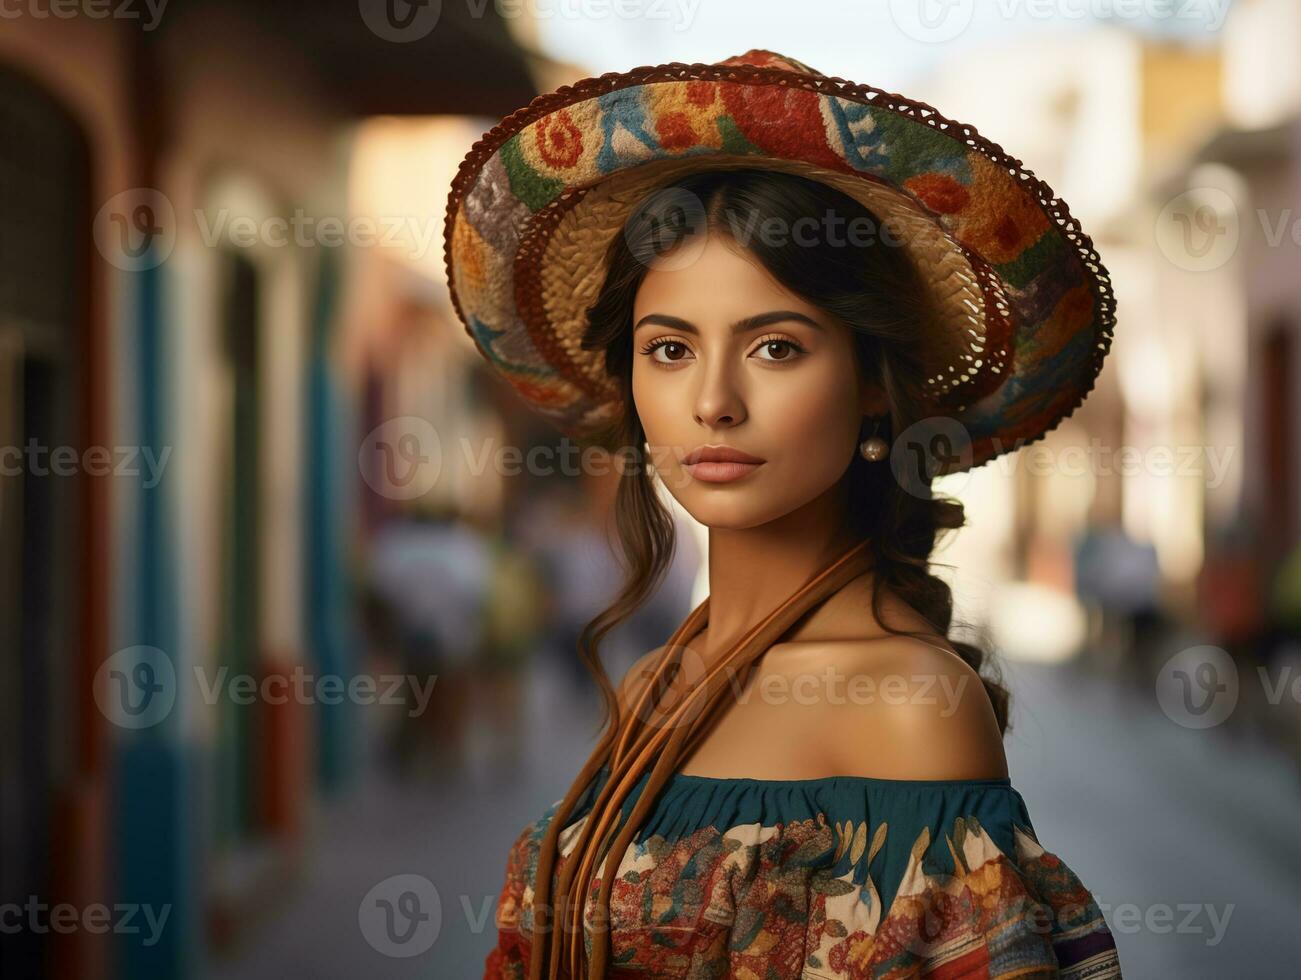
column 632, row 746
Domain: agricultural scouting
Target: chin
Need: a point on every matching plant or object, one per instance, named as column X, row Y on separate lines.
column 726, row 518
column 733, row 509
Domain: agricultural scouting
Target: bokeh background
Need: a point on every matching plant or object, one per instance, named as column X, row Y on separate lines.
column 287, row 632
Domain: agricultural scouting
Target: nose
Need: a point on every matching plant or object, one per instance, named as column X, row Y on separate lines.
column 718, row 402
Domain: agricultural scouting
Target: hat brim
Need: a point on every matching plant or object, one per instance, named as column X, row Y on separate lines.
column 1028, row 306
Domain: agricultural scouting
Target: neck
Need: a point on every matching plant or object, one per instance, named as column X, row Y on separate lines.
column 753, row 570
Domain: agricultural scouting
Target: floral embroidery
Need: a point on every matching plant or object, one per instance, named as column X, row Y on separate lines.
column 798, row 892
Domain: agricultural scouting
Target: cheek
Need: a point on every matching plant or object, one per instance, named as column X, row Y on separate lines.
column 817, row 413
column 644, row 397
column 658, row 397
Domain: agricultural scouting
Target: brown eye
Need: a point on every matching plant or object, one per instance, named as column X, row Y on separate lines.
column 778, row 349
column 673, row 351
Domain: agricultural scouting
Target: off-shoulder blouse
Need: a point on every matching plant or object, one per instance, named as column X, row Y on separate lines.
column 839, row 877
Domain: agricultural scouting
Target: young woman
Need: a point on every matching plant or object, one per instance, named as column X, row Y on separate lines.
column 790, row 302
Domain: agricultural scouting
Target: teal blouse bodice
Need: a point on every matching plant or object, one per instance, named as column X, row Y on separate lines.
column 836, row 877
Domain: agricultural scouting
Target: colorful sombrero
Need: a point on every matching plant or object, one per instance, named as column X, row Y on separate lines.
column 1027, row 303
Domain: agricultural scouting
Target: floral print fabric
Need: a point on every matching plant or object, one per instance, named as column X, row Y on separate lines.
column 827, row 879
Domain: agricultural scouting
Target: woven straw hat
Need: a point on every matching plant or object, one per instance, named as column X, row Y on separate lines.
column 1027, row 306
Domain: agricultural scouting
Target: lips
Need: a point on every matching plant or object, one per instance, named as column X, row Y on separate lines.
column 719, row 464
column 719, row 454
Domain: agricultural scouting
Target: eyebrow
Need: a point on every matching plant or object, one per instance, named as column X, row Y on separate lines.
column 740, row 326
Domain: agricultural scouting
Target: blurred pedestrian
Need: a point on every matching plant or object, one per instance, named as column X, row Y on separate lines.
column 513, row 626
column 1120, row 579
column 432, row 569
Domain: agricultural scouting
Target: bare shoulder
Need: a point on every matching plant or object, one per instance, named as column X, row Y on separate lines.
column 909, row 708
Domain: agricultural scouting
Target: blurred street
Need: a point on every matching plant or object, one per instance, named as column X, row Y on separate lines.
column 453, row 828
column 1148, row 831
column 293, row 582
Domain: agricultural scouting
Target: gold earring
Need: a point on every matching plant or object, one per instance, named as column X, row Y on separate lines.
column 874, row 448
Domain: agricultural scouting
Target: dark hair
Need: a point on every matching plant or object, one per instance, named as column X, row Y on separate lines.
column 876, row 291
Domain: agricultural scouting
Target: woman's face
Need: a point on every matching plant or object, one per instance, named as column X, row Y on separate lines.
column 724, row 356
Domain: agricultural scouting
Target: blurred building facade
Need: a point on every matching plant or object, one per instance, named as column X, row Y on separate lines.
column 1165, row 511
column 155, row 306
